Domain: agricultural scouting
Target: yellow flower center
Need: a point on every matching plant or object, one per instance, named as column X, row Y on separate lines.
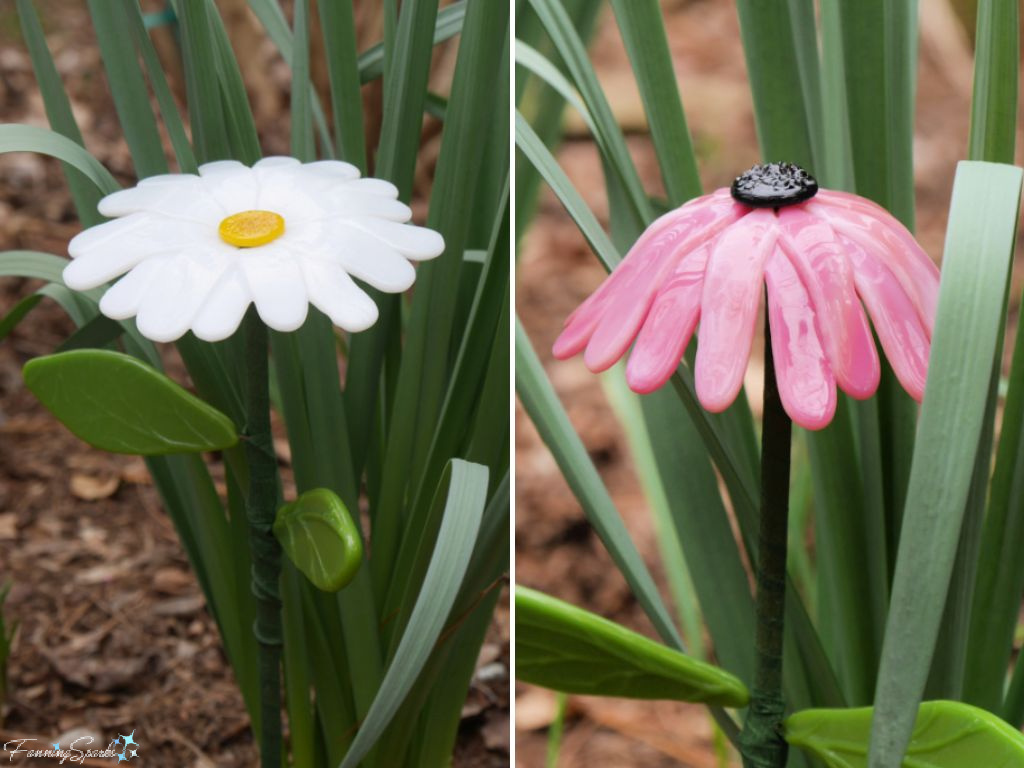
column 248, row 229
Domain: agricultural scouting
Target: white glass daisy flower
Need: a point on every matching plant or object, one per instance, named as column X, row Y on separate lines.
column 282, row 234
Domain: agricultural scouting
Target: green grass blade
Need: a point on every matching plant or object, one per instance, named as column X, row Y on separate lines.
column 131, row 98
column 30, row 138
column 1013, row 708
column 205, row 110
column 238, row 119
column 694, row 519
column 297, row 680
column 779, row 109
column 968, row 657
column 880, row 51
column 486, row 325
column 405, row 88
column 532, row 60
column 405, row 93
column 805, row 40
column 879, row 44
column 46, row 266
column 999, row 584
column 979, row 246
column 543, row 105
column 441, row 716
column 165, row 99
column 58, row 109
column 996, row 77
column 835, row 170
column 559, row 26
column 333, row 682
column 541, row 403
column 628, row 408
column 390, row 32
column 272, row 18
column 466, row 499
column 449, row 23
column 422, row 382
column 533, row 149
column 643, row 32
column 850, row 539
column 338, row 26
column 555, row 730
column 315, row 419
column 303, row 146
column 192, row 503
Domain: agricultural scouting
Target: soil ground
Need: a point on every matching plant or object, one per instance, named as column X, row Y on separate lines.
column 556, row 550
column 114, row 634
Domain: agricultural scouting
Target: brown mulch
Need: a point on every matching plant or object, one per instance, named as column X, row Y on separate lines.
column 114, row 635
column 556, row 550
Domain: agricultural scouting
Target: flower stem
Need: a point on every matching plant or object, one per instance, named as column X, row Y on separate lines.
column 264, row 547
column 761, row 742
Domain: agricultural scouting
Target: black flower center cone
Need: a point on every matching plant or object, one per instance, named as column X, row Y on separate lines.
column 774, row 185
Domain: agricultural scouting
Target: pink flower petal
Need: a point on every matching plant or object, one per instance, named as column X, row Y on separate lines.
column 729, row 303
column 669, row 325
column 820, row 260
column 896, row 320
column 875, row 228
column 634, row 284
column 807, row 386
column 641, row 253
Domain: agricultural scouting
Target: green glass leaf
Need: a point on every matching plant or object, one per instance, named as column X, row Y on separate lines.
column 120, row 404
column 947, row 734
column 321, row 538
column 565, row 648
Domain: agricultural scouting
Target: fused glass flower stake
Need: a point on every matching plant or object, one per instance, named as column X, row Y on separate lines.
column 264, row 546
column 824, row 257
column 761, row 740
column 254, row 247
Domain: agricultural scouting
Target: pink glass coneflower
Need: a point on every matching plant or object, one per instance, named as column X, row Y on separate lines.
column 825, row 257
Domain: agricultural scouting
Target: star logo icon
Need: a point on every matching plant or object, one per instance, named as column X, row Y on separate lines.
column 126, row 742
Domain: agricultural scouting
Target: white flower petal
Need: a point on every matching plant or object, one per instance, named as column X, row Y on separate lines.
column 124, row 297
column 223, row 167
column 165, row 178
column 173, row 298
column 231, row 184
column 107, row 250
column 413, row 242
column 279, row 184
column 276, row 161
column 291, row 201
column 347, row 203
column 313, row 180
column 178, row 197
column 224, row 307
column 335, row 294
column 378, row 187
column 275, row 280
column 368, row 258
column 334, row 170
column 234, row 192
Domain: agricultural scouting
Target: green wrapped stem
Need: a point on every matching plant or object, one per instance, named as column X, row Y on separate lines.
column 264, row 547
column 761, row 741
